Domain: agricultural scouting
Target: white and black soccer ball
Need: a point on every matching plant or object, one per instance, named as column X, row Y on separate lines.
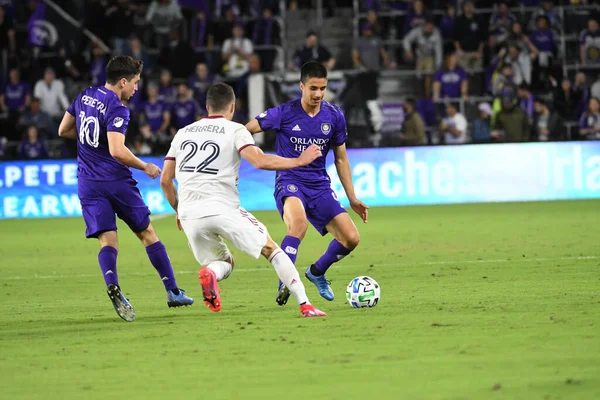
column 363, row 292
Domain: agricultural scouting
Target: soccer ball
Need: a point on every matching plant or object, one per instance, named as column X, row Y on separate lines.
column 363, row 292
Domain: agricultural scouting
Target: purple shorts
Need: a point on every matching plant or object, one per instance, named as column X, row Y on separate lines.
column 100, row 201
column 321, row 205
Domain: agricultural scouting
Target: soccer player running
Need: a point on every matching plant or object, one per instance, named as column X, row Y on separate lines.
column 205, row 158
column 304, row 194
column 98, row 121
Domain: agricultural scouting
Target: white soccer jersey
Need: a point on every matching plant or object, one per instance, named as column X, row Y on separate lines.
column 207, row 158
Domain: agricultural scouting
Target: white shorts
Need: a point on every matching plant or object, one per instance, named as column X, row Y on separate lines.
column 205, row 235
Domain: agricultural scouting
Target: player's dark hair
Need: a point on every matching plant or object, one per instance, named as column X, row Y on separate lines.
column 219, row 96
column 122, row 67
column 312, row 69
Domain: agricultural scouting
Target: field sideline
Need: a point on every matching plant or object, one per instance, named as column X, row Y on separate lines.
column 481, row 301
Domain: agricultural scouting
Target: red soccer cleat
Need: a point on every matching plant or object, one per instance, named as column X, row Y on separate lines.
column 210, row 289
column 308, row 310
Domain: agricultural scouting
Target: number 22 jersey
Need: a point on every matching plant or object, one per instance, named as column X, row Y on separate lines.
column 98, row 111
column 207, row 161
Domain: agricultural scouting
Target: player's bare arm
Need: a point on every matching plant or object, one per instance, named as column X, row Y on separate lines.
column 167, row 185
column 253, row 126
column 68, row 127
column 120, row 152
column 342, row 165
column 260, row 160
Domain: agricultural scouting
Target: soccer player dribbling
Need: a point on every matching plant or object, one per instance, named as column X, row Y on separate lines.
column 304, row 194
column 98, row 120
column 205, row 159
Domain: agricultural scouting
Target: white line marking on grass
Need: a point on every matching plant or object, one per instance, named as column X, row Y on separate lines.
column 185, row 272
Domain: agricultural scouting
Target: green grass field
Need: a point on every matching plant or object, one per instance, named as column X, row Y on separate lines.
column 495, row 301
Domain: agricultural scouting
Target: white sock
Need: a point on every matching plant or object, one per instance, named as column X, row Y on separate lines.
column 288, row 274
column 221, row 268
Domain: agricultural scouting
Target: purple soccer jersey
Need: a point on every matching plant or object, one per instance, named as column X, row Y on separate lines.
column 33, row 151
column 296, row 130
column 15, row 95
column 105, row 186
column 450, row 81
column 154, row 113
column 184, row 113
column 98, row 110
column 167, row 94
column 543, row 40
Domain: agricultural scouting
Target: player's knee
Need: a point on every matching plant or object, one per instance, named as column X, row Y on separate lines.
column 109, row 239
column 147, row 236
column 297, row 227
column 351, row 241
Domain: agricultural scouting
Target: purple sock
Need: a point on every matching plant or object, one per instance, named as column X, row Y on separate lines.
column 107, row 257
column 290, row 245
column 160, row 260
column 335, row 252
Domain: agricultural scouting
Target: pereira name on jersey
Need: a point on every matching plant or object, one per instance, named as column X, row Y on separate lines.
column 98, row 111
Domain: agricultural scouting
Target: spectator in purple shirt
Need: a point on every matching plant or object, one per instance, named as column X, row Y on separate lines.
column 543, row 37
column 98, row 66
column 33, row 148
column 202, row 37
column 155, row 112
column 543, row 53
column 167, row 92
column 14, row 99
column 185, row 110
column 266, row 33
column 266, row 29
column 16, row 96
column 589, row 124
column 201, row 31
column 451, row 81
column 447, row 22
column 200, row 82
column 416, row 17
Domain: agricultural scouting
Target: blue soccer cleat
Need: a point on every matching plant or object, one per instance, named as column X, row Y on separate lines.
column 178, row 300
column 322, row 285
column 283, row 294
column 122, row 306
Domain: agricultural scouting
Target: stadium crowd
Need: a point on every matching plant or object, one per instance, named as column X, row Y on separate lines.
column 534, row 82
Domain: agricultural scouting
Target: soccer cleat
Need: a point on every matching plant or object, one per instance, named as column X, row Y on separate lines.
column 178, row 300
column 308, row 310
column 122, row 306
column 210, row 289
column 322, row 285
column 282, row 295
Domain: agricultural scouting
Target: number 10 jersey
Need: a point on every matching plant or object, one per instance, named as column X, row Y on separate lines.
column 207, row 162
column 97, row 111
